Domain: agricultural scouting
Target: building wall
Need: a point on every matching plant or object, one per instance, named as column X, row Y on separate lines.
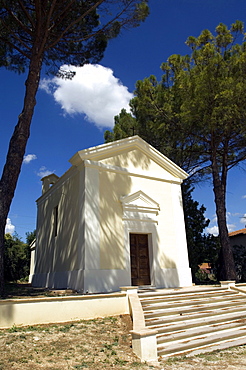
column 168, row 195
column 91, row 250
column 112, row 248
column 138, row 162
column 169, row 259
column 58, row 253
column 238, row 240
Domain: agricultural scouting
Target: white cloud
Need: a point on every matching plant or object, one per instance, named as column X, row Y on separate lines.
column 236, row 214
column 29, row 157
column 46, row 84
column 213, row 230
column 9, row 228
column 94, row 92
column 243, row 219
column 214, row 219
column 244, row 197
column 43, row 171
column 231, row 227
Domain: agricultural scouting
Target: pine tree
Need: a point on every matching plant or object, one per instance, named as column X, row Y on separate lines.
column 47, row 33
column 196, row 115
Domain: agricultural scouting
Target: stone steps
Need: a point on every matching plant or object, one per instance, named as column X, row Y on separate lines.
column 193, row 322
column 196, row 331
column 164, row 326
column 190, row 344
column 189, row 299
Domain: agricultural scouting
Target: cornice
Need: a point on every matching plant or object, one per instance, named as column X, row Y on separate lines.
column 103, row 151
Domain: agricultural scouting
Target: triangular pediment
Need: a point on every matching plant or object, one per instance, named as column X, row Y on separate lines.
column 139, row 200
column 136, row 150
column 139, row 206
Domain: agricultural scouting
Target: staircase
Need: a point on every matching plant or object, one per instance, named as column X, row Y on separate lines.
column 195, row 321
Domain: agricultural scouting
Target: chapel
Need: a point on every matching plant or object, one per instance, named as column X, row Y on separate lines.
column 114, row 219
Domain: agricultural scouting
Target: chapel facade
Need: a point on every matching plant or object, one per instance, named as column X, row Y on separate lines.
column 115, row 218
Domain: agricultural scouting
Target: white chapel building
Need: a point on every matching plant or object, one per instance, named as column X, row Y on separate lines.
column 115, row 218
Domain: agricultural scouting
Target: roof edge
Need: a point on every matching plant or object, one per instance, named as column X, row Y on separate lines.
column 97, row 152
column 238, row 232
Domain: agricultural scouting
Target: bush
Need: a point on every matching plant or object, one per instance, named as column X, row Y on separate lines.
column 239, row 254
column 16, row 258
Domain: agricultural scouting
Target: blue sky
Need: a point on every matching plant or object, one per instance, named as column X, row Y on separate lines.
column 72, row 117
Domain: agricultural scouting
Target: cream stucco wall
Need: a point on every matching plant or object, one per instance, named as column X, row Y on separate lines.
column 112, row 248
column 22, row 312
column 158, row 189
column 137, row 161
column 58, row 253
column 91, row 251
column 161, row 192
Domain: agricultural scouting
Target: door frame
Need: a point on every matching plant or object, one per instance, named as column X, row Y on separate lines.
column 140, row 216
column 148, row 250
column 133, row 227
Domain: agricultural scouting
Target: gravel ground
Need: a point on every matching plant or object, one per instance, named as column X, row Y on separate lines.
column 103, row 343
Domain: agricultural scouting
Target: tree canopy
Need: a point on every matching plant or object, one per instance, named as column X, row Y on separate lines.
column 65, row 31
column 196, row 115
column 239, row 253
column 37, row 33
column 201, row 247
column 17, row 258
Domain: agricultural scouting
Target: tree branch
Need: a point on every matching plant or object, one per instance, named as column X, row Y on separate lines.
column 26, row 13
column 16, row 47
column 74, row 22
column 17, row 20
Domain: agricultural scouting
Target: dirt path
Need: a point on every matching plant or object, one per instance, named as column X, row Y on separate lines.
column 95, row 345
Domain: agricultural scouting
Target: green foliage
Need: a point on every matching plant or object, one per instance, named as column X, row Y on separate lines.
column 71, row 32
column 198, row 108
column 239, row 253
column 16, row 257
column 49, row 33
column 201, row 276
column 196, row 115
column 201, row 247
column 30, row 237
column 153, row 119
column 13, row 329
column 125, row 126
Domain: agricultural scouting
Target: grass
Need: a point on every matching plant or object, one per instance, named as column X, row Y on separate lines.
column 15, row 290
column 103, row 343
column 231, row 358
column 96, row 344
column 21, row 290
column 92, row 344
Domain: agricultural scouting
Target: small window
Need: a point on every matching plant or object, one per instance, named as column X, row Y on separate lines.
column 55, row 225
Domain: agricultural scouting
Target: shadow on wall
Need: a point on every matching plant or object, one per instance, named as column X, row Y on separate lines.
column 114, row 254
column 66, row 241
column 134, row 159
column 62, row 257
column 57, row 252
column 113, row 186
column 107, row 252
column 166, row 275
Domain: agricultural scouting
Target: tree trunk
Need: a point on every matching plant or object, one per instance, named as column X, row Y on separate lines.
column 17, row 147
column 226, row 266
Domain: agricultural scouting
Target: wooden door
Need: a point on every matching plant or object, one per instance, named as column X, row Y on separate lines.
column 139, row 251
